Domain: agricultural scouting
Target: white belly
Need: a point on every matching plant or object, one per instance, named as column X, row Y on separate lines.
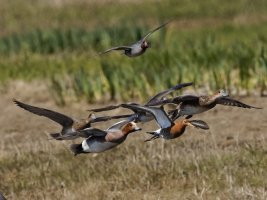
column 97, row 146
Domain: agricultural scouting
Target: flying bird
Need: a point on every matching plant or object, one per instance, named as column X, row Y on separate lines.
column 144, row 116
column 192, row 104
column 168, row 129
column 68, row 124
column 137, row 48
column 98, row 140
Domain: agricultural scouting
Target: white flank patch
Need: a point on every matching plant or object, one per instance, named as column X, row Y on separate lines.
column 85, row 146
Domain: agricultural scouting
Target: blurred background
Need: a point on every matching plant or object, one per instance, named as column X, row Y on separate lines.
column 215, row 44
column 49, row 58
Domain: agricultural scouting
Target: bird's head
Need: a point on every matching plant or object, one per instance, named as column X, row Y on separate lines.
column 130, row 127
column 223, row 93
column 145, row 44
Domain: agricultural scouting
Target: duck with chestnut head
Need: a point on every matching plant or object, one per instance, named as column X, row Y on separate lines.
column 98, row 140
column 168, row 129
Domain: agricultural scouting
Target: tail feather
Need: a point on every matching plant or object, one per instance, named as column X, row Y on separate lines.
column 76, row 149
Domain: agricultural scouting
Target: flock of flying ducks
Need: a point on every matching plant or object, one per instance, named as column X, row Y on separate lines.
column 96, row 140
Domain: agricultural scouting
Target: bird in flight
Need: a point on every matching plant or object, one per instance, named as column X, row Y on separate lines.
column 137, row 48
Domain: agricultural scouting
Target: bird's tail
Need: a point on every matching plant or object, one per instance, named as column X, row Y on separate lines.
column 76, row 149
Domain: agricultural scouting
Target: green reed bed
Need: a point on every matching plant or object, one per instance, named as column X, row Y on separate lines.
column 231, row 57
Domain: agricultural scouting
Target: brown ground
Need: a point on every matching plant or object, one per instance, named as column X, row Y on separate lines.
column 227, row 162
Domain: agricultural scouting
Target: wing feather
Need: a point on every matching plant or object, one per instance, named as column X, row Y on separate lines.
column 63, row 120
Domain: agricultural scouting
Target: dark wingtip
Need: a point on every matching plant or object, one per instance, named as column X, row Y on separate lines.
column 18, row 103
column 256, row 107
column 182, row 85
column 199, row 124
column 15, row 101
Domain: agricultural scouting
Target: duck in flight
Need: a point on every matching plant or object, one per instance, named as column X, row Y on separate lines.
column 98, row 140
column 192, row 104
column 137, row 48
column 68, row 124
column 141, row 116
column 168, row 128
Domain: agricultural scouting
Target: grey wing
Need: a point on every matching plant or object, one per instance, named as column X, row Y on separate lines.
column 175, row 100
column 115, row 49
column 85, row 133
column 118, row 125
column 63, row 120
column 231, row 102
column 105, row 108
column 158, row 97
column 159, row 114
column 112, row 107
column 106, row 118
column 154, row 30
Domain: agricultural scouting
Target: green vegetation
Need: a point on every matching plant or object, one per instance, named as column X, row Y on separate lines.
column 217, row 46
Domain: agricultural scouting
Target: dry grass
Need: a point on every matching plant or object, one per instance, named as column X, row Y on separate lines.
column 227, row 162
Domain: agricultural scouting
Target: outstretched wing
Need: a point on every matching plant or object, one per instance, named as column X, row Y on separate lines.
column 117, row 126
column 158, row 97
column 63, row 120
column 116, row 49
column 175, row 100
column 148, row 34
column 85, row 133
column 106, row 118
column 92, row 132
column 231, row 102
column 111, row 107
column 158, row 113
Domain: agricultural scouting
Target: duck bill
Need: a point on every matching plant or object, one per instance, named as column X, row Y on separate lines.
column 198, row 124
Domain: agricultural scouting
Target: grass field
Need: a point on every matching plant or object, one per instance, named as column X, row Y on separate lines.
column 226, row 162
column 48, row 57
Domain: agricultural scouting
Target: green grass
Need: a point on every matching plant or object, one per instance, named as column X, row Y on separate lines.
column 62, row 47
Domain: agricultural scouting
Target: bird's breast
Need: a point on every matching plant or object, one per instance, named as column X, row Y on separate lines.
column 177, row 130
